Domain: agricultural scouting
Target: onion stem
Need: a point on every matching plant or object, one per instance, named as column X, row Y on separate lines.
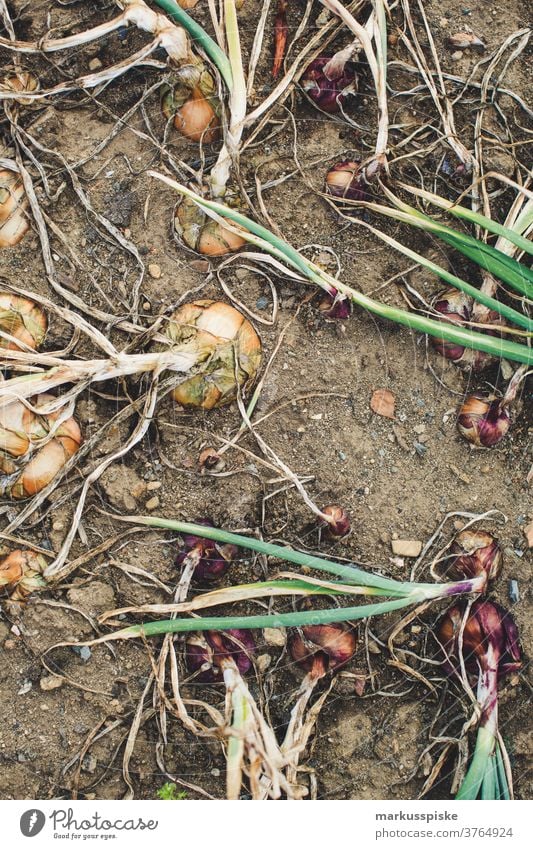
column 278, row 247
column 349, row 574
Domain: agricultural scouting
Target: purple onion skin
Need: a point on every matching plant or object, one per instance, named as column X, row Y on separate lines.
column 219, row 646
column 488, row 624
column 484, row 428
column 347, row 180
column 215, row 560
column 335, row 308
column 325, row 92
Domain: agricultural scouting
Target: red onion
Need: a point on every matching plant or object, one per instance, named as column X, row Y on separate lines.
column 329, row 87
column 320, row 649
column 214, row 559
column 205, row 653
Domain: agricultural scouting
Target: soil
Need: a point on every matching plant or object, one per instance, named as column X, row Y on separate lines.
column 399, row 479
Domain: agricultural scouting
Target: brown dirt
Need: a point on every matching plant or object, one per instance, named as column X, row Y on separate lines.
column 396, row 478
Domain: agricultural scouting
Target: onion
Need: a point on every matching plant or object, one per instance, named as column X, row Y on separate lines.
column 320, row 649
column 230, row 352
column 475, row 552
column 205, row 653
column 213, row 560
column 347, row 180
column 202, row 234
column 335, row 306
column 20, row 573
column 338, row 524
column 29, row 465
column 483, row 420
column 329, row 85
column 23, row 319
column 13, row 221
column 194, row 110
column 458, row 308
column 487, row 645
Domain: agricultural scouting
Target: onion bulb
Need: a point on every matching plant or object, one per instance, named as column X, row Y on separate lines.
column 33, row 446
column 338, row 523
column 473, row 552
column 229, row 347
column 194, row 110
column 335, row 306
column 347, row 180
column 458, row 308
column 23, row 319
column 483, row 420
column 203, row 234
column 213, row 560
column 205, row 653
column 319, row 649
column 21, row 573
column 329, row 83
column 13, row 221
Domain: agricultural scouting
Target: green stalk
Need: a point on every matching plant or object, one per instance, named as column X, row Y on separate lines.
column 513, row 315
column 512, row 235
column 515, row 274
column 279, row 248
column 199, row 35
column 349, row 574
column 473, row 780
column 502, row 775
column 272, row 620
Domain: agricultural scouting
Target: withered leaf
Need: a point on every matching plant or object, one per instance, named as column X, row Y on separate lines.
column 382, row 403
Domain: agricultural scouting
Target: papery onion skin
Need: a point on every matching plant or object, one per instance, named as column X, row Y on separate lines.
column 231, row 352
column 475, row 552
column 329, row 94
column 29, row 465
column 459, row 308
column 20, row 573
column 13, row 221
column 320, row 649
column 212, row 648
column 483, row 420
column 488, row 625
column 23, row 319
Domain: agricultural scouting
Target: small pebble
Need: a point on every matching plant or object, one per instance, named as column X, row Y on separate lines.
column 58, row 526
column 406, row 547
column 514, row 592
column 262, row 303
column 274, row 637
column 153, row 485
column 154, row 271
column 263, row 662
column 456, row 55
column 51, row 682
column 152, row 503
column 147, row 306
column 26, row 687
column 95, row 64
column 83, row 651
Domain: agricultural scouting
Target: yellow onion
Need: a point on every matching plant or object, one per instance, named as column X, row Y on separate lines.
column 13, row 221
column 203, row 234
column 29, row 459
column 20, row 573
column 483, row 420
column 230, row 352
column 23, row 319
column 194, row 108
